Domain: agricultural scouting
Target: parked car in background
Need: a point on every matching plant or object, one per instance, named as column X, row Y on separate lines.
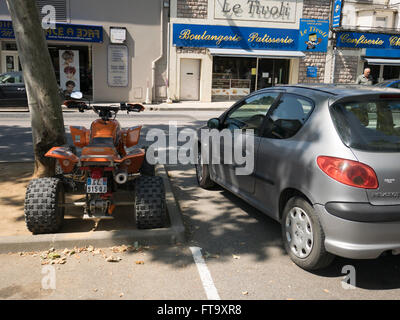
column 393, row 83
column 12, row 90
column 326, row 167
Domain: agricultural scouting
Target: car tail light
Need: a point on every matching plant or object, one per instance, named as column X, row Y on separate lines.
column 96, row 173
column 351, row 173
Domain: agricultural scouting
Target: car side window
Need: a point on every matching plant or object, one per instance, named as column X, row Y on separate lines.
column 251, row 113
column 287, row 117
column 11, row 79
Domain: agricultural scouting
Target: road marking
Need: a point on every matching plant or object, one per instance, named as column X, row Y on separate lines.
column 205, row 276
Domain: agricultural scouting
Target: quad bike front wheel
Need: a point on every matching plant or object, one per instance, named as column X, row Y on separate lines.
column 43, row 210
column 150, row 205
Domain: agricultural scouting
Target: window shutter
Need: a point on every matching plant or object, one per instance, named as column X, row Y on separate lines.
column 59, row 5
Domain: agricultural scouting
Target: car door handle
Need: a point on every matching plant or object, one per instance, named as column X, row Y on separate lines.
column 21, row 89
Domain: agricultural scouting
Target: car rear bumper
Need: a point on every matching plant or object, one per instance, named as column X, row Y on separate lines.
column 356, row 239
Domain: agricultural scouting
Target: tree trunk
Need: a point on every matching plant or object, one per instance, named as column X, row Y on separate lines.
column 40, row 82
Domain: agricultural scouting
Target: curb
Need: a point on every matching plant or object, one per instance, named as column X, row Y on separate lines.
column 172, row 235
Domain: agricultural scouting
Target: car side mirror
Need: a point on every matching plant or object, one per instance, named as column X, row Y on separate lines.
column 214, row 123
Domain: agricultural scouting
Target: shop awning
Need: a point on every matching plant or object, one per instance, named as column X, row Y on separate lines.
column 271, row 54
column 388, row 62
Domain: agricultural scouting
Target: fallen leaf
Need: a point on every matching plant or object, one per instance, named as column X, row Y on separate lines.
column 245, row 293
column 326, row 290
column 90, row 248
column 236, row 257
column 139, row 262
column 113, row 259
column 121, row 294
column 95, row 290
column 53, row 255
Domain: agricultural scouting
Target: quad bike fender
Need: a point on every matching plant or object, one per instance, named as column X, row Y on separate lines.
column 80, row 136
column 131, row 136
column 105, row 129
column 65, row 157
column 133, row 161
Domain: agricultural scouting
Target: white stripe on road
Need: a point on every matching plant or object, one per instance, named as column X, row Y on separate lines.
column 205, row 276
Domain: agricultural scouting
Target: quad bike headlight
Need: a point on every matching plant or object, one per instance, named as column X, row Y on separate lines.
column 128, row 162
column 65, row 163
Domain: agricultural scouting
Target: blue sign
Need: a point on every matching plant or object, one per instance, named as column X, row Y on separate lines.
column 62, row 32
column 337, row 12
column 382, row 53
column 210, row 36
column 312, row 72
column 368, row 40
column 313, row 35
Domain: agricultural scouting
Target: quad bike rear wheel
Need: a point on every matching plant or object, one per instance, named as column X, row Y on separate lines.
column 150, row 205
column 147, row 169
column 43, row 210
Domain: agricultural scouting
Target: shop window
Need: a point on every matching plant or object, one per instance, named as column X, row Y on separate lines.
column 391, row 72
column 236, row 77
column 232, row 77
column 83, row 63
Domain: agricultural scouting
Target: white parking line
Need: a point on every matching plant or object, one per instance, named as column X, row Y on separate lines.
column 205, row 276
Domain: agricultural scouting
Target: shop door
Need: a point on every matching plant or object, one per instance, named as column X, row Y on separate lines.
column 272, row 72
column 190, row 79
column 10, row 61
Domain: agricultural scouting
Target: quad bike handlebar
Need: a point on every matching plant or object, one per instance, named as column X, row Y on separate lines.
column 104, row 112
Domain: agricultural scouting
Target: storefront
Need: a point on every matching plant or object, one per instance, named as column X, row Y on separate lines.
column 217, row 62
column 70, row 48
column 379, row 52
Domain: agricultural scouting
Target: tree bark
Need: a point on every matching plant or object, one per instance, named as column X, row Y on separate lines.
column 40, row 82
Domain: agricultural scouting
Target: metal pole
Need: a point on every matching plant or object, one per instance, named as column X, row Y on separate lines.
column 256, row 74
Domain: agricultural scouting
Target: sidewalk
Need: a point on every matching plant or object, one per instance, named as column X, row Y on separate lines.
column 190, row 106
column 176, row 106
column 180, row 106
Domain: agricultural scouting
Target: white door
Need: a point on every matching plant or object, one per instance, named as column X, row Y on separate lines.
column 190, row 79
column 10, row 61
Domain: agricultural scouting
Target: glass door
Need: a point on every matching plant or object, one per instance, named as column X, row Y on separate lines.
column 10, row 61
column 272, row 72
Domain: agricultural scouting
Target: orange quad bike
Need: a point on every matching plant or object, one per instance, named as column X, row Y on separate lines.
column 108, row 161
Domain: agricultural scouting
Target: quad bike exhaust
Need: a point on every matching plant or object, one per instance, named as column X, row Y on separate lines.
column 121, row 177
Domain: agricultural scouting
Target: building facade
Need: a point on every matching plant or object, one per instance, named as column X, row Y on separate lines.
column 225, row 49
column 366, row 36
column 111, row 50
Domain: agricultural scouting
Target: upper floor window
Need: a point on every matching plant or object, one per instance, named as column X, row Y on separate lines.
column 59, row 5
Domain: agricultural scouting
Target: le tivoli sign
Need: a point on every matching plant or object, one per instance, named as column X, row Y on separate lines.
column 256, row 10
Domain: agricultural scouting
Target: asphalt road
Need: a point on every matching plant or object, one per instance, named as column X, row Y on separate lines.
column 241, row 247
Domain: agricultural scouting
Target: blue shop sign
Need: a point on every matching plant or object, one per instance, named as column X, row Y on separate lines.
column 337, row 12
column 209, row 36
column 62, row 32
column 368, row 40
column 313, row 35
column 312, row 72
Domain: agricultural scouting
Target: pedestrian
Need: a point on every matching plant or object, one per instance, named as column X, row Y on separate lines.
column 365, row 78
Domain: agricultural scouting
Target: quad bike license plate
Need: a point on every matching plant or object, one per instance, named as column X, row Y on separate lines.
column 96, row 185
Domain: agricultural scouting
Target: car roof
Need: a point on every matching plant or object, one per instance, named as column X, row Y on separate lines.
column 12, row 73
column 334, row 91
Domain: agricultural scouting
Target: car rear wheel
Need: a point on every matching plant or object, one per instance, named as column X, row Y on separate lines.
column 303, row 236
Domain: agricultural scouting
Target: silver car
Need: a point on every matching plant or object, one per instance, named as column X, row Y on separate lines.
column 327, row 167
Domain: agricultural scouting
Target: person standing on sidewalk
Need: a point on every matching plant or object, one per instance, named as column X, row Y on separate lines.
column 365, row 78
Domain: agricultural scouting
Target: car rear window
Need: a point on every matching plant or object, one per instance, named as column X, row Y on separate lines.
column 369, row 126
